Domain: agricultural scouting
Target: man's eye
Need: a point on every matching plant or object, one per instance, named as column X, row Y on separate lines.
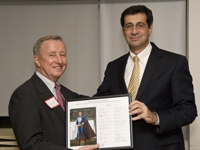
column 128, row 26
column 62, row 54
column 51, row 54
column 140, row 25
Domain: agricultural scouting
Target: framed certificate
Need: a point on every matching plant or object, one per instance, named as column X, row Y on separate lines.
column 103, row 120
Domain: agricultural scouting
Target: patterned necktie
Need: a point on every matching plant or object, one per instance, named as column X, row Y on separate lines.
column 60, row 99
column 134, row 80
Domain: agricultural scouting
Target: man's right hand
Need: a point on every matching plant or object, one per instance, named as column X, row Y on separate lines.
column 89, row 147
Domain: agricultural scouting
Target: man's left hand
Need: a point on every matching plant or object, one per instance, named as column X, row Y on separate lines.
column 141, row 111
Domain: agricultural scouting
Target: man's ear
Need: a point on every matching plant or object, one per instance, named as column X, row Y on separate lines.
column 37, row 60
column 122, row 31
column 150, row 29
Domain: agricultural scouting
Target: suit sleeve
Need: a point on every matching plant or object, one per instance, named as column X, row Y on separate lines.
column 25, row 118
column 183, row 110
column 104, row 88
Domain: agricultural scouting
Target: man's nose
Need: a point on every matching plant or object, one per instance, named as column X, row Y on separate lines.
column 134, row 30
column 58, row 59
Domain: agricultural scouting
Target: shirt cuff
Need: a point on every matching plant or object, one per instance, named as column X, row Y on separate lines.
column 158, row 122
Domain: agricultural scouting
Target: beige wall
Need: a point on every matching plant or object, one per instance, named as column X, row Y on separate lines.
column 23, row 23
column 194, row 62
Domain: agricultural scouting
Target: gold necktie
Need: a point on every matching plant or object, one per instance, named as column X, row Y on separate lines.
column 134, row 80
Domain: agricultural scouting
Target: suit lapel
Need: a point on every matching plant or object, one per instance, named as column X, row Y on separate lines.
column 121, row 71
column 150, row 70
column 45, row 94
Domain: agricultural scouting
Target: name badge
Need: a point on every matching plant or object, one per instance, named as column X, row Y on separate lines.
column 52, row 102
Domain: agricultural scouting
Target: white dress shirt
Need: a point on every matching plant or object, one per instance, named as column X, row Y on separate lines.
column 50, row 84
column 143, row 58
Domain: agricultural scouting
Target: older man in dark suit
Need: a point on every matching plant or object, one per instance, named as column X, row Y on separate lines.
column 160, row 84
column 36, row 108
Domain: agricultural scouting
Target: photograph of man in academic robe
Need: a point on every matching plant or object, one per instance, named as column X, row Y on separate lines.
column 85, row 127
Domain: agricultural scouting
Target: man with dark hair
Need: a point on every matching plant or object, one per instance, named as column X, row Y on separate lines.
column 37, row 107
column 159, row 82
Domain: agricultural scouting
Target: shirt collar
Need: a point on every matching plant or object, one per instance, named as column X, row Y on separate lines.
column 50, row 84
column 143, row 55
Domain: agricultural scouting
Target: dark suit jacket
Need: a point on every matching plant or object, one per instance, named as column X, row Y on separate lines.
column 36, row 125
column 167, row 89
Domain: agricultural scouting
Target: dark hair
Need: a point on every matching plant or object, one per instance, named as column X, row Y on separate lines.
column 136, row 9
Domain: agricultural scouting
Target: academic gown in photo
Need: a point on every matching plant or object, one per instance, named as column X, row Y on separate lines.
column 87, row 129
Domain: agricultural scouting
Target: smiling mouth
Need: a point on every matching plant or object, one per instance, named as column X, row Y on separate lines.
column 58, row 67
column 134, row 38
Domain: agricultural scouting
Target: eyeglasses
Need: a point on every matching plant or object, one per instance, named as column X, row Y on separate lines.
column 138, row 26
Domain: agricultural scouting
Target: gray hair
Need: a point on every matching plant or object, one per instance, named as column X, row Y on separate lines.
column 38, row 43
